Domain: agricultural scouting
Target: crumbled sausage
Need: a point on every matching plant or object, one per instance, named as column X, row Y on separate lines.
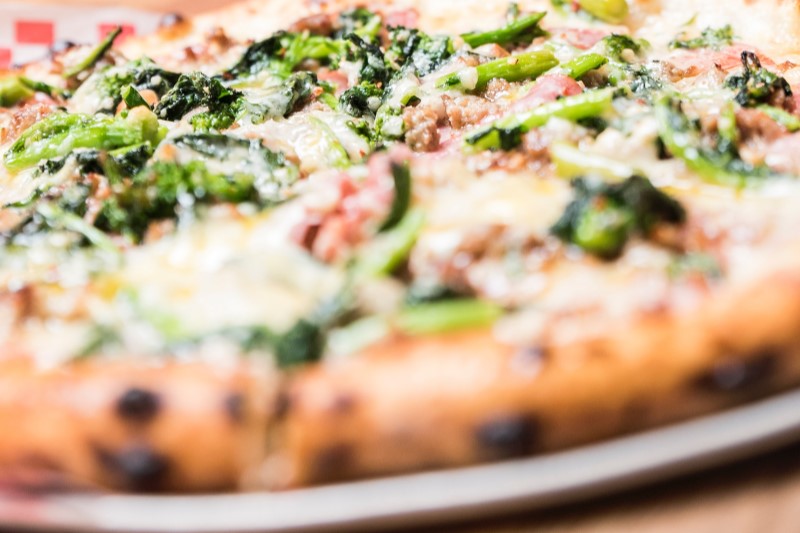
column 422, row 130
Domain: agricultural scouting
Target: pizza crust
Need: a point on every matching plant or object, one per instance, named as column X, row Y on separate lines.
column 466, row 399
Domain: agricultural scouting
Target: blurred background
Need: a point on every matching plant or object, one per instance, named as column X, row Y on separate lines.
column 29, row 27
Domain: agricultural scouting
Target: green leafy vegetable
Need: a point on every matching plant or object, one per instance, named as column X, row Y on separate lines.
column 603, row 216
column 519, row 31
column 360, row 21
column 416, row 50
column 60, row 133
column 506, row 134
column 525, row 66
column 361, row 100
column 282, row 52
column 713, row 159
column 198, row 90
column 402, row 195
column 133, row 98
column 302, row 344
column 714, row 38
column 102, row 91
column 757, row 85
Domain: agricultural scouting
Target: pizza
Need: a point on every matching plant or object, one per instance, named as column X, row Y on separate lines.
column 293, row 243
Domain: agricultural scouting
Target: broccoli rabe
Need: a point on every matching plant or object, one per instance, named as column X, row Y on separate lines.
column 506, row 134
column 198, row 90
column 282, row 52
column 757, row 85
column 603, row 216
column 361, row 100
column 360, row 21
column 60, row 133
column 521, row 30
column 525, row 66
column 412, row 48
column 713, row 158
column 373, row 67
column 714, row 38
column 103, row 91
column 95, row 54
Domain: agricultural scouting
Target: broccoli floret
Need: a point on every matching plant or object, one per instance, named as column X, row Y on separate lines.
column 603, row 216
column 198, row 90
column 757, row 85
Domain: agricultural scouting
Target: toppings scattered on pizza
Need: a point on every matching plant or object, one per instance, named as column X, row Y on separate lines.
column 355, row 178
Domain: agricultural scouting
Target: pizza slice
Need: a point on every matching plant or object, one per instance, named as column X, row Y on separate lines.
column 285, row 244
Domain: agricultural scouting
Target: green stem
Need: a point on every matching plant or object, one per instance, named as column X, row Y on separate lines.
column 95, row 54
column 507, row 133
column 448, row 315
column 572, row 162
column 523, row 29
column 512, row 68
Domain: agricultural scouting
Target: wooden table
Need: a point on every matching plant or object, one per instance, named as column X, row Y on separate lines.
column 757, row 496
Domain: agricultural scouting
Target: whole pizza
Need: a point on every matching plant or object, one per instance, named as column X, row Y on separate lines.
column 299, row 242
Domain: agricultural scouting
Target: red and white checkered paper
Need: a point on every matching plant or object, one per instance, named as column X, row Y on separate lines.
column 28, row 31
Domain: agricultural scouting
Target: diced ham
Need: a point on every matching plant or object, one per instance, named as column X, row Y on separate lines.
column 27, row 115
column 691, row 63
column 783, row 155
column 351, row 210
column 548, row 88
column 401, row 17
column 336, row 77
column 583, row 38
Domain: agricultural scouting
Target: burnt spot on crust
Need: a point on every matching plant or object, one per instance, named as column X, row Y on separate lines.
column 138, row 405
column 235, row 407
column 508, row 436
column 282, row 405
column 332, row 463
column 739, row 374
column 136, row 468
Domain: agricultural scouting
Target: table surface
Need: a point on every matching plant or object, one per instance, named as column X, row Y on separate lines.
column 761, row 495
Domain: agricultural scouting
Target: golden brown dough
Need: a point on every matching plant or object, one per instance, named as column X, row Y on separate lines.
column 448, row 401
column 129, row 425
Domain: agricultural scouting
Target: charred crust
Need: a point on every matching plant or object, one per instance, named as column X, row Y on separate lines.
column 136, row 468
column 234, row 406
column 283, row 404
column 739, row 374
column 332, row 463
column 138, row 405
column 508, row 436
